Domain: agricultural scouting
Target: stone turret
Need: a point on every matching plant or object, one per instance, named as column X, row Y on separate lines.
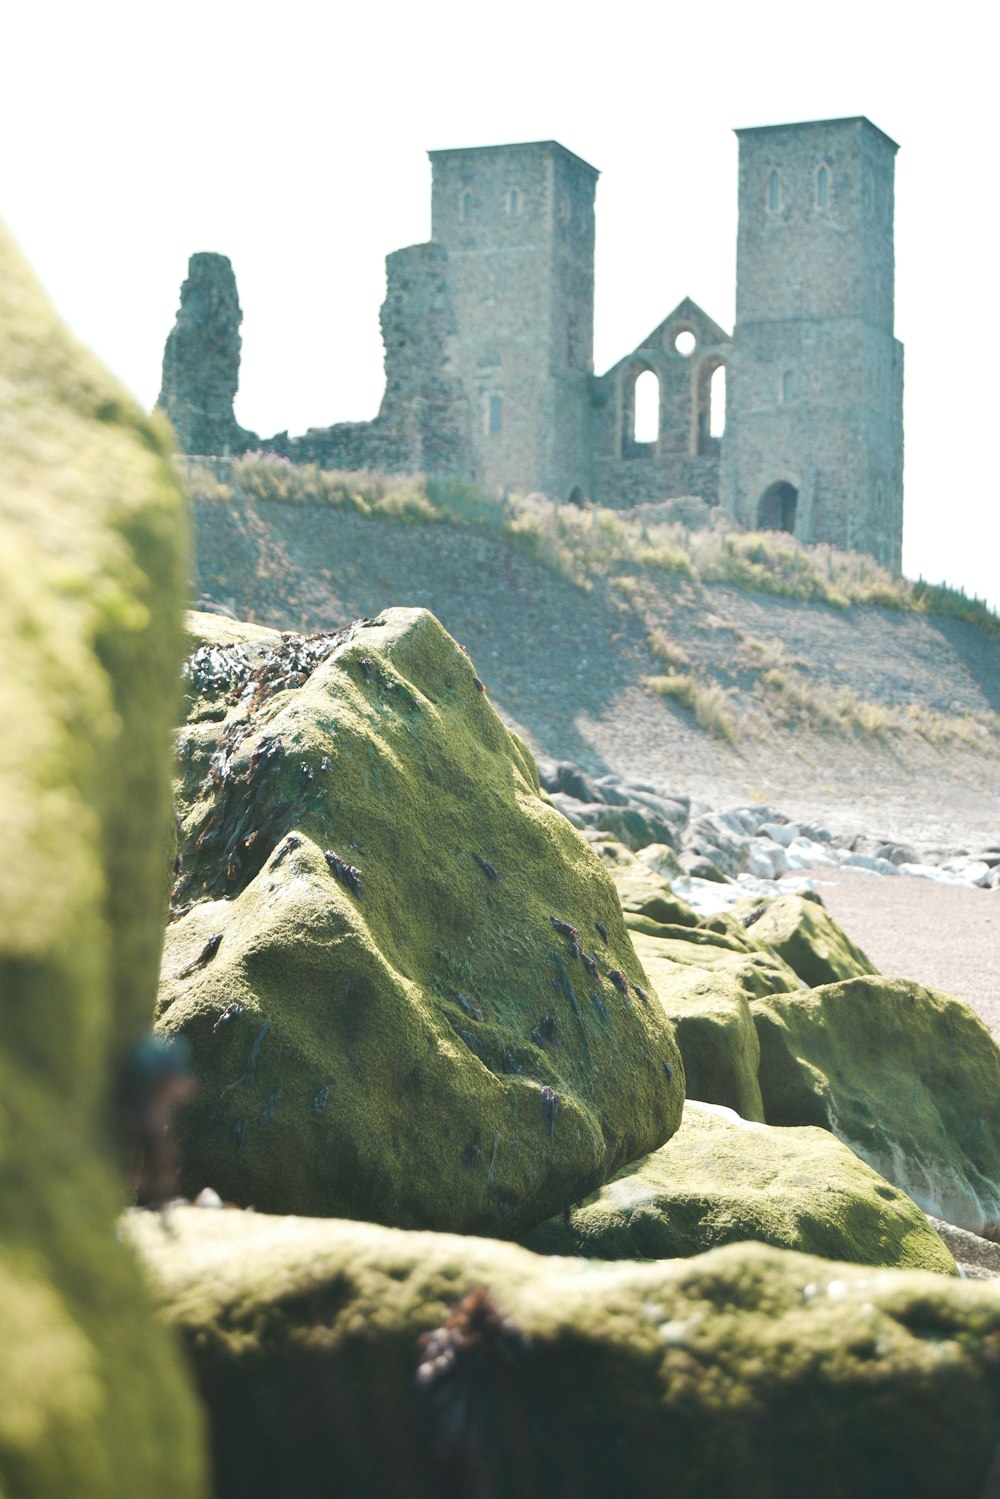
column 201, row 361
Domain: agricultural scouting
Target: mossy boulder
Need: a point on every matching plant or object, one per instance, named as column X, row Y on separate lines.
column 801, row 931
column 908, row 1077
column 711, row 1017
column 749, row 1370
column 756, row 971
column 645, row 893
column 721, row 1180
column 406, row 980
column 94, row 1402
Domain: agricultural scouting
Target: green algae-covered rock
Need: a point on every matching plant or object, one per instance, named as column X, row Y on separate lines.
column 749, row 1370
column 908, row 1077
column 644, row 891
column 800, row 930
column 93, row 1401
column 720, row 1180
column 757, row 972
column 711, row 1017
column 406, row 980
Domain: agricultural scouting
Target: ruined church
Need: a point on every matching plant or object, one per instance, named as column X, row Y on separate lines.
column 488, row 333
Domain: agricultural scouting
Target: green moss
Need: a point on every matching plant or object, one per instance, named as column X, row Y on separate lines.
column 418, row 1008
column 722, row 1180
column 803, row 933
column 714, row 1028
column 749, row 1370
column 644, row 893
column 92, row 568
column 908, row 1077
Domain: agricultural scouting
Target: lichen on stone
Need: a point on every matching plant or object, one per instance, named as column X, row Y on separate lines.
column 370, row 842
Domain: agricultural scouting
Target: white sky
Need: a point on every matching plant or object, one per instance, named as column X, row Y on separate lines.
column 293, row 139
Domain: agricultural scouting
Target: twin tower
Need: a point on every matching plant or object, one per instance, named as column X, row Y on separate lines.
column 488, row 332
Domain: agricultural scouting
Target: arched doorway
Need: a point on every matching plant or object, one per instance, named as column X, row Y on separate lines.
column 577, row 496
column 776, row 507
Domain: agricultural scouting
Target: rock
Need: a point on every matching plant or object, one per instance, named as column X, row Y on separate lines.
column 807, row 853
column 766, row 860
column 635, row 826
column 908, row 1077
column 758, row 972
column 201, row 361
column 803, row 933
column 709, row 839
column 722, row 1180
column 749, row 1370
column 978, row 1259
column 661, row 859
column 701, row 865
column 404, row 924
column 710, row 1013
column 572, row 781
column 969, row 871
column 94, row 1401
column 874, row 863
column 646, row 893
column 784, row 833
column 705, row 982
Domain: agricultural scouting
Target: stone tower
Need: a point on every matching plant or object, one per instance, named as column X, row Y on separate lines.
column 814, row 431
column 201, row 361
column 517, row 223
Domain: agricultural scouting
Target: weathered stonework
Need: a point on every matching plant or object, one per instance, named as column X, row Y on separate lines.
column 488, row 333
column 201, row 361
column 814, row 441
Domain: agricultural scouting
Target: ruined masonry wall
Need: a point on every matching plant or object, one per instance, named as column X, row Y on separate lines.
column 488, row 334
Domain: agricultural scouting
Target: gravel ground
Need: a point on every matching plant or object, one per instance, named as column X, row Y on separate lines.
column 944, row 936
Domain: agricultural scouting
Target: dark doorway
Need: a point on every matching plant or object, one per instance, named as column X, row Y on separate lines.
column 776, row 509
column 576, row 495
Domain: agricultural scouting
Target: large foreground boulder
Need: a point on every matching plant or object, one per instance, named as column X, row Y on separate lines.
column 406, row 980
column 93, row 1400
column 343, row 1358
column 721, row 1180
column 908, row 1077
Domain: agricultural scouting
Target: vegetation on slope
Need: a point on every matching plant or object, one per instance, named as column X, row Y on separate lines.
column 584, row 543
column 647, row 558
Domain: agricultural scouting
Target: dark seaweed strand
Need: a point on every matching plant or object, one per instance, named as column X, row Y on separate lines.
column 567, row 989
column 487, row 869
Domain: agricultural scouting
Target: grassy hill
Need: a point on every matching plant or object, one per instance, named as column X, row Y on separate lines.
column 723, row 663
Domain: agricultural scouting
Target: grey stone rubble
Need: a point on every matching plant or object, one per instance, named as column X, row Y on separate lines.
column 721, row 856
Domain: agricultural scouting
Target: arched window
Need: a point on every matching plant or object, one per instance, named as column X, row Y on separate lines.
column 465, row 205
column 823, row 187
column 513, row 202
column 646, row 415
column 493, row 415
column 776, row 507
column 787, row 386
column 717, row 402
column 774, row 191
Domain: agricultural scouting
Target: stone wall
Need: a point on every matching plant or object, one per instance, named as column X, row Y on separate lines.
column 682, row 354
column 488, row 333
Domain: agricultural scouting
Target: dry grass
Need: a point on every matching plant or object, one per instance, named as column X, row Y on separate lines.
column 590, row 543
column 706, row 699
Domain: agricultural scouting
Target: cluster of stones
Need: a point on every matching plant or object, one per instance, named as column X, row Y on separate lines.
column 758, row 842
